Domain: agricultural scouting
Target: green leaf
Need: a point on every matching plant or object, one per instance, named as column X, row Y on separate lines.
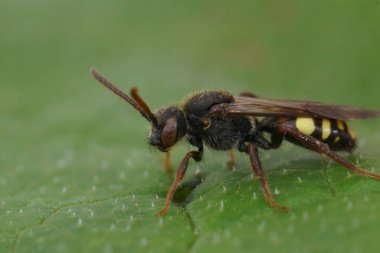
column 76, row 174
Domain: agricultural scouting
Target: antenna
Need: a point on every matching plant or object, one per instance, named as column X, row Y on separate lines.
column 139, row 105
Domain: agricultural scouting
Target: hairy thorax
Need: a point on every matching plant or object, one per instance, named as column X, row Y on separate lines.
column 216, row 132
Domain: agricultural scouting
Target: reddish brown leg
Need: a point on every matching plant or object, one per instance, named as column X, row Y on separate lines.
column 167, row 163
column 232, row 162
column 320, row 147
column 259, row 173
column 196, row 155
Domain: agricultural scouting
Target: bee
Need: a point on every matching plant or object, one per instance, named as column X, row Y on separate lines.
column 225, row 122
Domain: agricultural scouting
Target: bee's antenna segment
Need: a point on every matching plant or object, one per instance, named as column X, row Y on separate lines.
column 142, row 104
column 123, row 95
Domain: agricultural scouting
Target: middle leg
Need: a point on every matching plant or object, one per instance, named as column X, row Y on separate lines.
column 259, row 173
column 232, row 162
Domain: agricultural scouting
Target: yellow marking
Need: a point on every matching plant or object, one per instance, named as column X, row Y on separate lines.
column 352, row 133
column 326, row 129
column 336, row 139
column 305, row 125
column 340, row 124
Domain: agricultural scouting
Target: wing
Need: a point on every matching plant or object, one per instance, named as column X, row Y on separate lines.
column 290, row 108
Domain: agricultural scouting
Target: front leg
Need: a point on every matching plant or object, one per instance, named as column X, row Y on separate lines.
column 166, row 162
column 197, row 156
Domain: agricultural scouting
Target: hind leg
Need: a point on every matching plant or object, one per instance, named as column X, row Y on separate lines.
column 312, row 143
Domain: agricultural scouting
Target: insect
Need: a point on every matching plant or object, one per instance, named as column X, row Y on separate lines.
column 225, row 122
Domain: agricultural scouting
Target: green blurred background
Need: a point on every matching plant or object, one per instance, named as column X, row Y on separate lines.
column 76, row 174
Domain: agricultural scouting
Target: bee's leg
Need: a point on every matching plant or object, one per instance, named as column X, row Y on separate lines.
column 270, row 126
column 259, row 173
column 232, row 162
column 166, row 162
column 197, row 156
column 276, row 140
column 312, row 143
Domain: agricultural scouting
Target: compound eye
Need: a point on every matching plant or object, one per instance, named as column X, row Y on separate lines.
column 169, row 133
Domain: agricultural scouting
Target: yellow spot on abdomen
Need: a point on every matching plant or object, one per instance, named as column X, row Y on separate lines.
column 326, row 129
column 340, row 124
column 352, row 133
column 336, row 139
column 305, row 125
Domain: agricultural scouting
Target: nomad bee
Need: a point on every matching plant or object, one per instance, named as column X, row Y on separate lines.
column 225, row 122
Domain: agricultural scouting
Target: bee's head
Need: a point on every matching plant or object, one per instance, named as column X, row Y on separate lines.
column 168, row 124
column 169, row 128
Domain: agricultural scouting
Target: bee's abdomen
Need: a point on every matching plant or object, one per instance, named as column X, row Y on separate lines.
column 333, row 132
